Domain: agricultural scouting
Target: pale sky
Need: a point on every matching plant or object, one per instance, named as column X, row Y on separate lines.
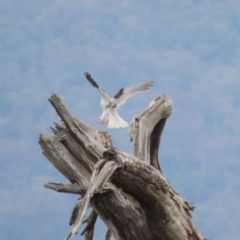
column 191, row 49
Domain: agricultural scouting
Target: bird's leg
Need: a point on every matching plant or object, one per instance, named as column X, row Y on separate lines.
column 104, row 117
column 102, row 121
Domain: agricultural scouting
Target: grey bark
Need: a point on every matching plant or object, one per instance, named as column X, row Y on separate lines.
column 129, row 193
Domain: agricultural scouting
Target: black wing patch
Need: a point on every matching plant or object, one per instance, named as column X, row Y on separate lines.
column 119, row 94
column 91, row 80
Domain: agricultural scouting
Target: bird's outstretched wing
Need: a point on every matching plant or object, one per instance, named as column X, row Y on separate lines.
column 125, row 93
column 104, row 95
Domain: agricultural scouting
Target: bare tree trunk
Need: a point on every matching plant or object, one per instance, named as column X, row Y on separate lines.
column 129, row 193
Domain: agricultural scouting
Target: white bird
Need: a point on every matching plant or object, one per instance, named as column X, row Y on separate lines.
column 109, row 105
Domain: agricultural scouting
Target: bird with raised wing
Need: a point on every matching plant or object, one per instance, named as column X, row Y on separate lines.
column 109, row 105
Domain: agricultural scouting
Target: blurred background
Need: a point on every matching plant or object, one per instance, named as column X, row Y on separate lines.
column 189, row 48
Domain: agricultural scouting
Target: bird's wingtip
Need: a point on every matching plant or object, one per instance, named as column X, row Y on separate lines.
column 90, row 79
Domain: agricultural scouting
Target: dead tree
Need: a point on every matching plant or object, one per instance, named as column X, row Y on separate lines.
column 129, row 193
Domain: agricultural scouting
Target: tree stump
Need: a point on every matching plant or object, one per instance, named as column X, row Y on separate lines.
column 129, row 193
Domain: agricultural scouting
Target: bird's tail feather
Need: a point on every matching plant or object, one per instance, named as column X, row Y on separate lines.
column 115, row 121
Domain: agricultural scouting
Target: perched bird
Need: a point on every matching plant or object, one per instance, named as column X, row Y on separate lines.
column 109, row 105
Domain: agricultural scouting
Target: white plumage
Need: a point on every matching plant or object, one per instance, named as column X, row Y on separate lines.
column 109, row 105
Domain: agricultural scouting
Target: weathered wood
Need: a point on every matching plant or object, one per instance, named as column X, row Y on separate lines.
column 125, row 214
column 129, row 193
column 89, row 229
column 108, row 235
column 64, row 161
column 65, row 188
column 86, row 136
column 170, row 214
column 146, row 130
column 103, row 171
